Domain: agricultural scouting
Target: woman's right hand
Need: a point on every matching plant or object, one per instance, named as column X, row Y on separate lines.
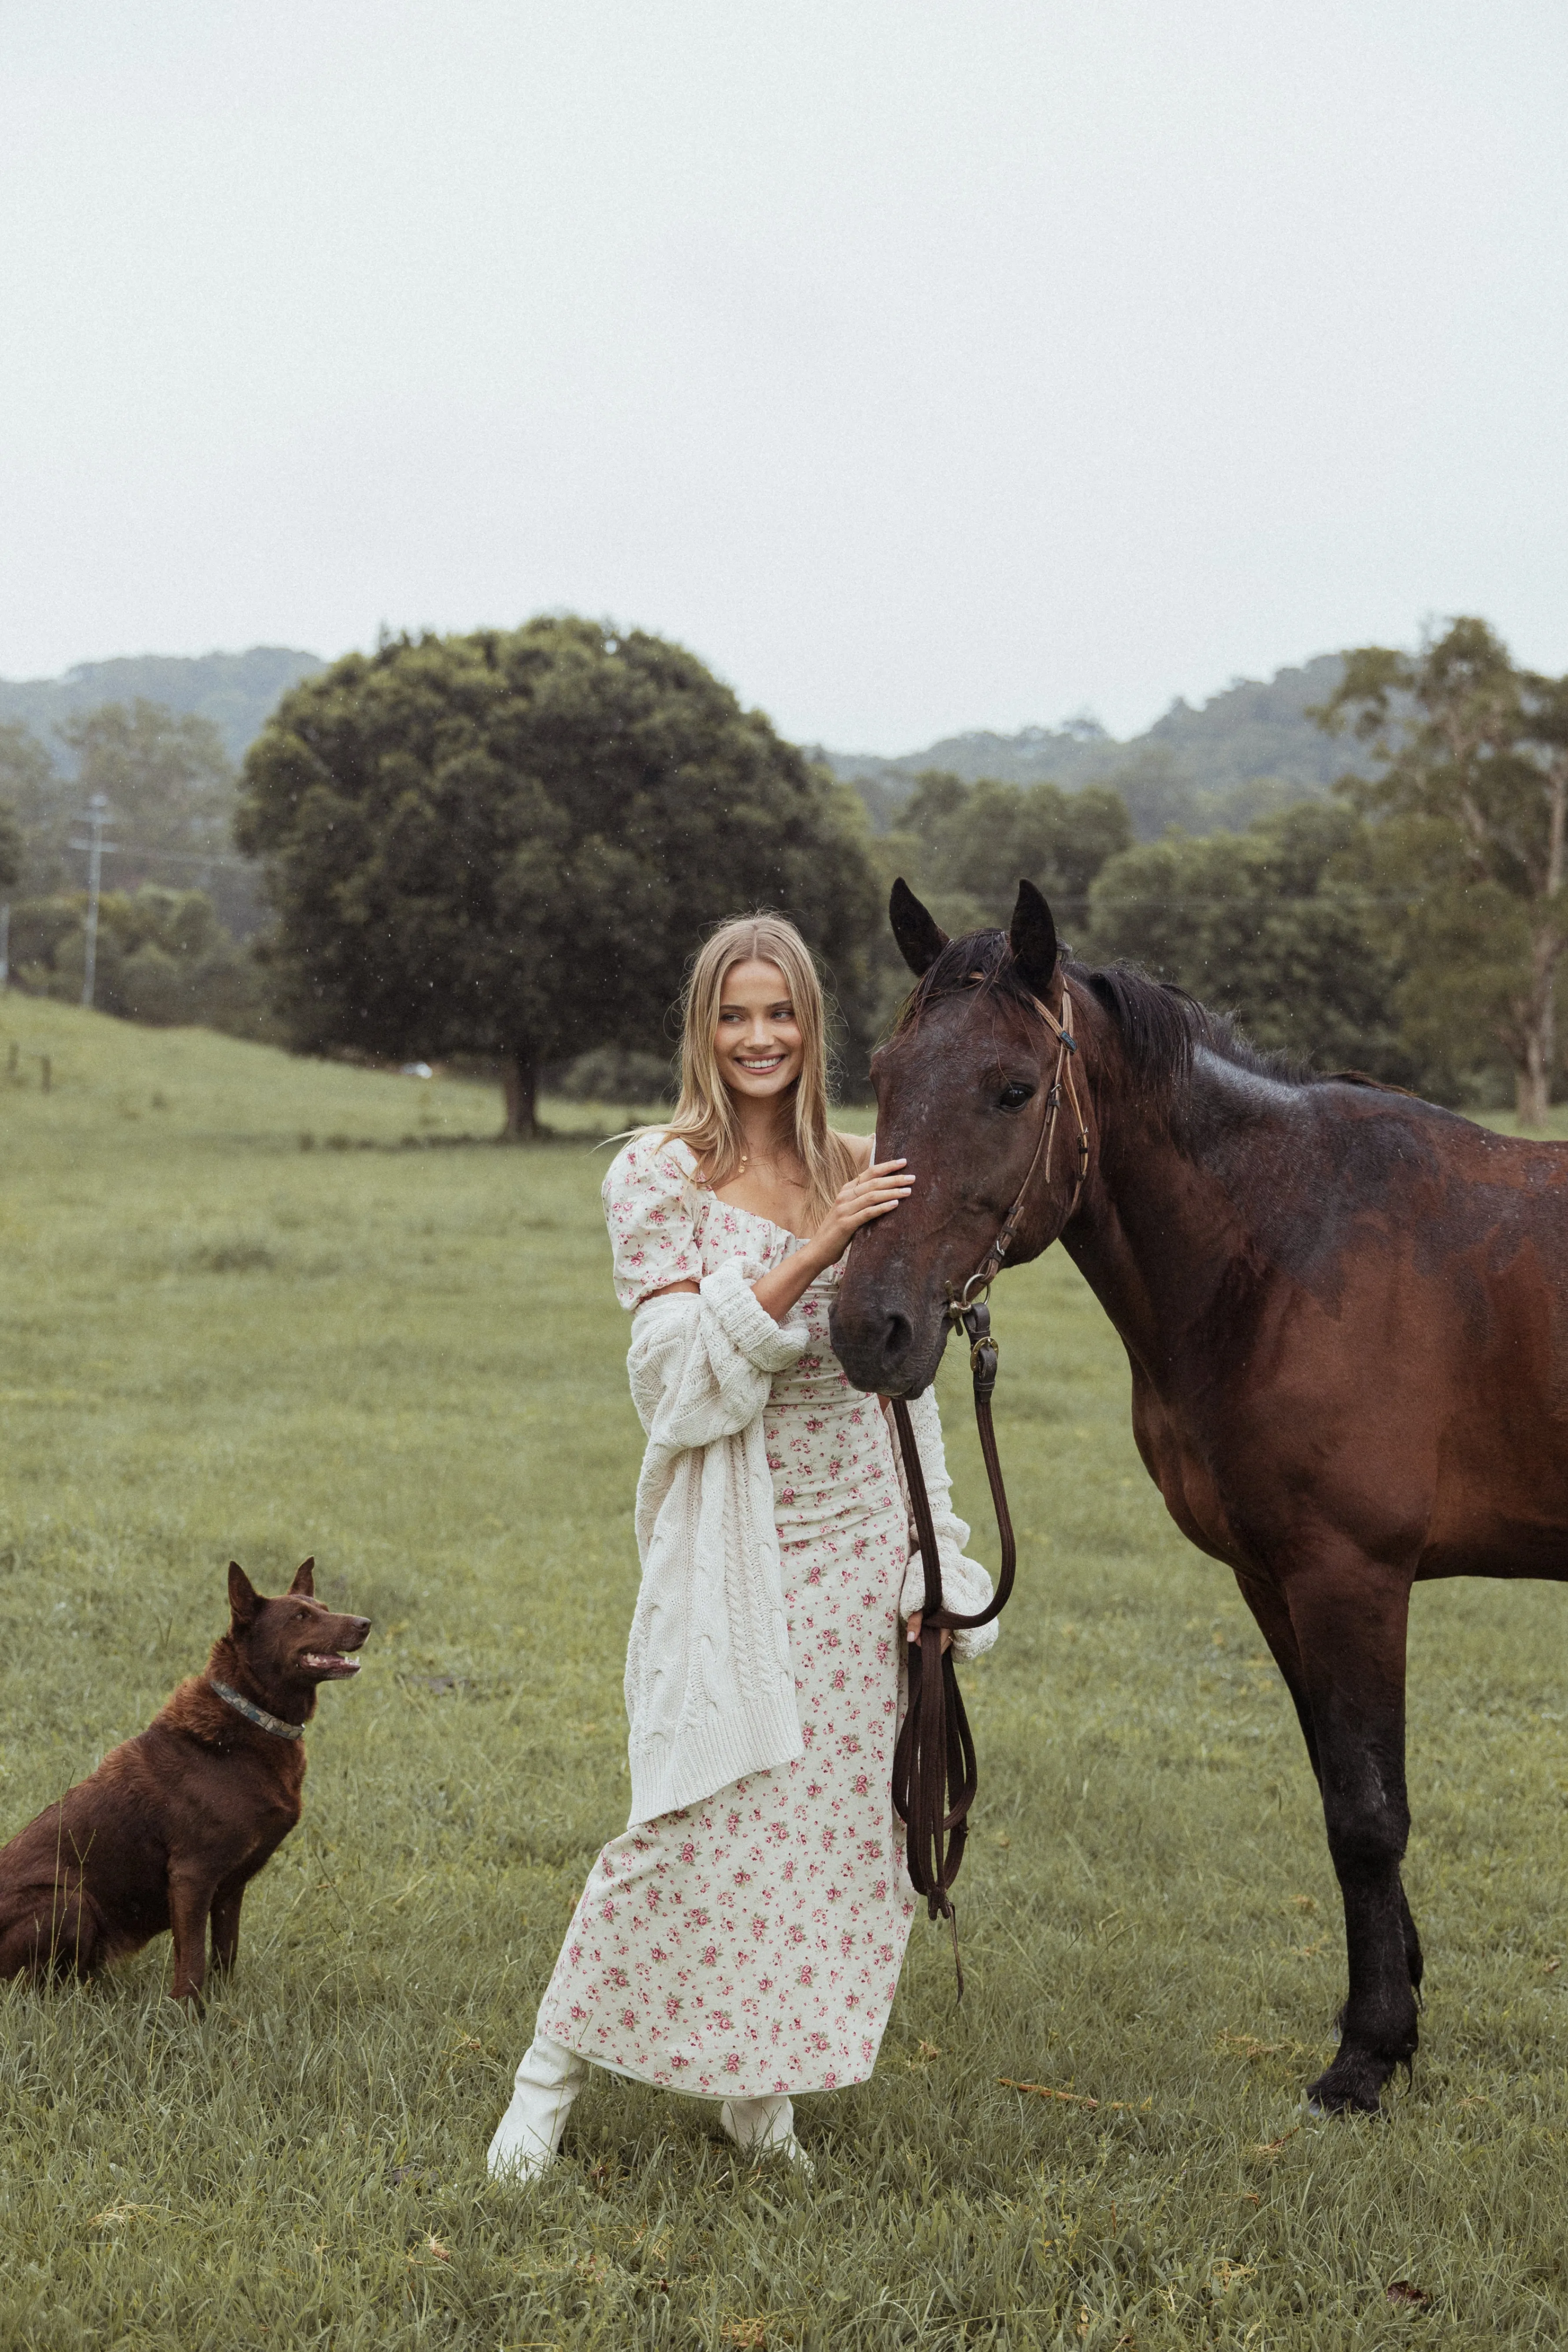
column 872, row 1193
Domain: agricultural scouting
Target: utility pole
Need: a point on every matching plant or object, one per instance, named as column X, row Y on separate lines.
column 5, row 944
column 97, row 849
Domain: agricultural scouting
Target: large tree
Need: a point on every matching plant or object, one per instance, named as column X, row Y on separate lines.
column 1470, row 799
column 508, row 844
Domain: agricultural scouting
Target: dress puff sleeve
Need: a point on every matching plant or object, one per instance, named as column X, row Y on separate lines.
column 655, row 1209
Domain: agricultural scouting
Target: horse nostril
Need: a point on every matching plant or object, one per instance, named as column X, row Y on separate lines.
column 896, row 1339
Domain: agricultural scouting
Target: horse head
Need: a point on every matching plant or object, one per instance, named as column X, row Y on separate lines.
column 963, row 1092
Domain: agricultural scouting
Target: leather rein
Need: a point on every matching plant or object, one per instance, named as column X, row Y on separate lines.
column 935, row 1771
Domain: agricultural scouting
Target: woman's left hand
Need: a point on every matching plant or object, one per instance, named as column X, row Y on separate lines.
column 871, row 1192
column 914, row 1622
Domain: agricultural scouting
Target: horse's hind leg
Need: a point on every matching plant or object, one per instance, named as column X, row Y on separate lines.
column 1349, row 1616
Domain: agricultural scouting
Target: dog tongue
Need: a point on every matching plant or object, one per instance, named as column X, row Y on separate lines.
column 332, row 1662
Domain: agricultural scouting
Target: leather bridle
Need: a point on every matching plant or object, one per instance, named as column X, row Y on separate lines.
column 934, row 1771
column 991, row 1264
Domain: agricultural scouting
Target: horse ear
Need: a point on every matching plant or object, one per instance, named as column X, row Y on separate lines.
column 1033, row 939
column 305, row 1577
column 920, row 939
column 243, row 1597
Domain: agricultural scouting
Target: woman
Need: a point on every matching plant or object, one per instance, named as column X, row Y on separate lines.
column 741, row 1939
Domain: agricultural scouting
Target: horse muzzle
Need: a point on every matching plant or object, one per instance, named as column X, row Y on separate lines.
column 882, row 1346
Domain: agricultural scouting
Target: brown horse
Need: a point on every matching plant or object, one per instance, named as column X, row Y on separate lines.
column 1346, row 1314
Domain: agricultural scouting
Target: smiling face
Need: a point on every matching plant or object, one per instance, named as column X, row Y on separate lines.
column 757, row 1039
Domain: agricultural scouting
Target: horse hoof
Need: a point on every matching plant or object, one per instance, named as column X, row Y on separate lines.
column 1327, row 2098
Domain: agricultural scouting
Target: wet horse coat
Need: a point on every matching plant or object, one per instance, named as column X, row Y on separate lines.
column 1346, row 1314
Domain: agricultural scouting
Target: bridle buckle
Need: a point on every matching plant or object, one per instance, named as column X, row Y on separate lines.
column 961, row 1304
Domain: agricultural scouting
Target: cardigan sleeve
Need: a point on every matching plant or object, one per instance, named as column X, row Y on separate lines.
column 701, row 1363
column 965, row 1585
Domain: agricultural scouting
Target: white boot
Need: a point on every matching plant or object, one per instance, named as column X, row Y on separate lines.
column 529, row 2134
column 763, row 2127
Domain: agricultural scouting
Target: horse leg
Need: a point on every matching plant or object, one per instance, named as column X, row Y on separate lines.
column 1267, row 1606
column 1349, row 1615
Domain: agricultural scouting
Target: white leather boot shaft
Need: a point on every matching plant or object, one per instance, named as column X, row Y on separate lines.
column 761, row 2126
column 529, row 2134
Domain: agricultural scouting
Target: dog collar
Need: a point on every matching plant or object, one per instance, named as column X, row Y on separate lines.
column 257, row 1714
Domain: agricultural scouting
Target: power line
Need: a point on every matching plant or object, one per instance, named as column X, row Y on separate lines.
column 183, row 856
column 1336, row 895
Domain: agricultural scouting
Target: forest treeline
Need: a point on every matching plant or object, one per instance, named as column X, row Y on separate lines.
column 502, row 846
column 180, row 907
column 1410, row 924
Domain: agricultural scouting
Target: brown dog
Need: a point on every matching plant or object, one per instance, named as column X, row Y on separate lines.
column 175, row 1823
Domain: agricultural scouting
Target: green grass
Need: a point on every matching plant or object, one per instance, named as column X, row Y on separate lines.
column 408, row 1362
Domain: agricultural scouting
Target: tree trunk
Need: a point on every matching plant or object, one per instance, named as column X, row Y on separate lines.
column 1530, row 1086
column 1538, row 1033
column 520, row 1090
column 1532, row 1082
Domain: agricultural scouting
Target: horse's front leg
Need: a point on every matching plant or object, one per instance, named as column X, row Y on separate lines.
column 1269, row 1606
column 1349, row 1615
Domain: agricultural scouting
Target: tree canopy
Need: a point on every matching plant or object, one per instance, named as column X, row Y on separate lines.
column 30, row 789
column 170, row 785
column 1273, row 925
column 1469, row 802
column 979, row 838
column 508, row 844
column 963, row 847
column 12, row 848
column 162, row 957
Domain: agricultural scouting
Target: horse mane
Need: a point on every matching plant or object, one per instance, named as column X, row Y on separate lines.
column 1160, row 1027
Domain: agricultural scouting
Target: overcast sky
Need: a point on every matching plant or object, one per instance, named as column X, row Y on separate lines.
column 921, row 366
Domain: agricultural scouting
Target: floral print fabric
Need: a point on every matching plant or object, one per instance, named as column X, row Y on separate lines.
column 752, row 1944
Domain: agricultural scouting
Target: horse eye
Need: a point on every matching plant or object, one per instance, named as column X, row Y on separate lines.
column 1014, row 1097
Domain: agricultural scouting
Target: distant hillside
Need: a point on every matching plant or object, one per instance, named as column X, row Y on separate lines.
column 235, row 691
column 1250, row 748
column 1247, row 750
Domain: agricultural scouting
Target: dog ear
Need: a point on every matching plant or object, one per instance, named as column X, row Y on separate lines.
column 305, row 1577
column 1033, row 939
column 243, row 1597
column 919, row 936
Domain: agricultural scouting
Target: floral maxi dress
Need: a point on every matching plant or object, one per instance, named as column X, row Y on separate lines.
column 751, row 1944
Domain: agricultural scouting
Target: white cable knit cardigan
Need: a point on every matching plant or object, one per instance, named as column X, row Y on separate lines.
column 710, row 1683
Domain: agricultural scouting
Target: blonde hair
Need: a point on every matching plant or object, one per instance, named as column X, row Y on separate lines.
column 705, row 1114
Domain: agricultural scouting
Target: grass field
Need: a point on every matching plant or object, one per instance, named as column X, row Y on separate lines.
column 407, row 1360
